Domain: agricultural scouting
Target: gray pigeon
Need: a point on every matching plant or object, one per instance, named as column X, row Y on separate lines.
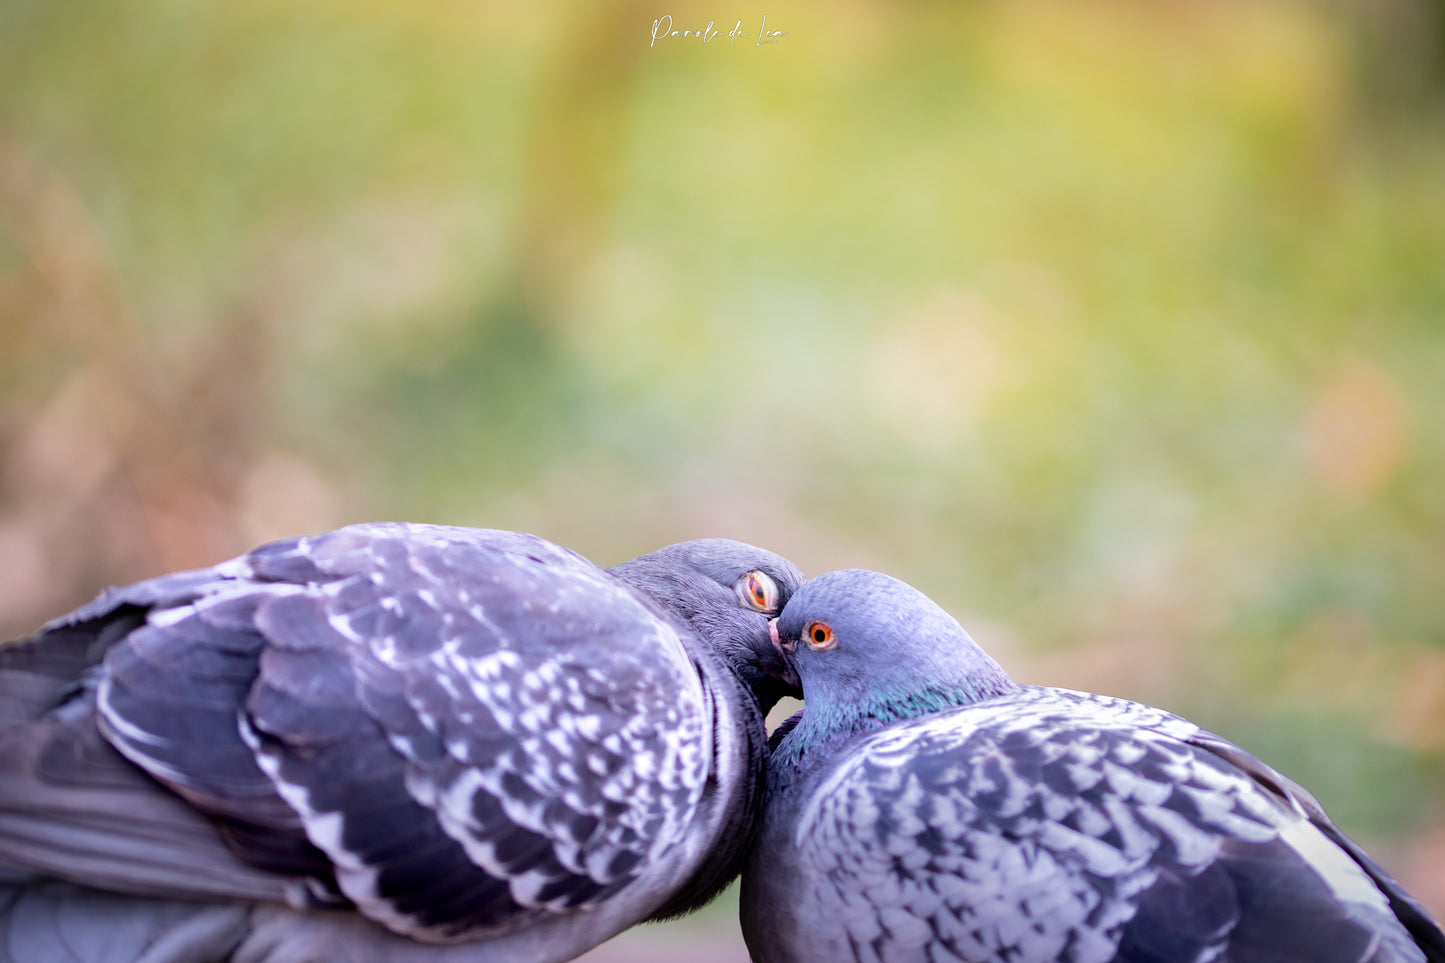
column 924, row 807
column 391, row 742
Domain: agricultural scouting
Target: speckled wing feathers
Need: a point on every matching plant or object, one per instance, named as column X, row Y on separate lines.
column 475, row 729
column 1071, row 827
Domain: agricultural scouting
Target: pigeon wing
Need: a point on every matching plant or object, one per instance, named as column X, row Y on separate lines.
column 1065, row 826
column 1406, row 908
column 459, row 731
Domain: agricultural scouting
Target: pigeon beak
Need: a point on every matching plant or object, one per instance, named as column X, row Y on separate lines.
column 784, row 649
column 773, row 634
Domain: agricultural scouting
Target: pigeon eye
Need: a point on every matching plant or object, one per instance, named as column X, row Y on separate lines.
column 759, row 592
column 819, row 636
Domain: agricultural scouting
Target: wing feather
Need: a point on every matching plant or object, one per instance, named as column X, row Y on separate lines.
column 465, row 731
column 1065, row 826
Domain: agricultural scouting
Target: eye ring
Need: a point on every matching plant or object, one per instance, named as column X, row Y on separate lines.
column 819, row 636
column 757, row 591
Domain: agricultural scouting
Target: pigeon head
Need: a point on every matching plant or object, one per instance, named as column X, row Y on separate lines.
column 727, row 592
column 869, row 647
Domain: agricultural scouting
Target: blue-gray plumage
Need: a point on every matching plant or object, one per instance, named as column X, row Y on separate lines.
column 925, row 807
column 390, row 742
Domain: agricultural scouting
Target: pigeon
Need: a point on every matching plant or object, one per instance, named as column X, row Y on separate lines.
column 925, row 807
column 389, row 743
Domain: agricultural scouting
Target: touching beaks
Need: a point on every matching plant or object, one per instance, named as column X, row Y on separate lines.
column 784, row 650
column 779, row 644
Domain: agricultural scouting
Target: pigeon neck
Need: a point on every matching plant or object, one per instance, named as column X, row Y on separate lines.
column 825, row 724
column 734, row 810
column 764, row 689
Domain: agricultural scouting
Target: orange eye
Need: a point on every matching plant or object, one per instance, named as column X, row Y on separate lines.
column 819, row 636
column 759, row 592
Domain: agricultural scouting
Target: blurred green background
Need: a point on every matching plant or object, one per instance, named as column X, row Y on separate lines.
column 1118, row 327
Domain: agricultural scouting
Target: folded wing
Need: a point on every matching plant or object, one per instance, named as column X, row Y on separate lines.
column 459, row 732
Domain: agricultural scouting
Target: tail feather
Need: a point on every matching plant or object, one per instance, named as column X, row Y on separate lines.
column 72, row 807
column 62, row 923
